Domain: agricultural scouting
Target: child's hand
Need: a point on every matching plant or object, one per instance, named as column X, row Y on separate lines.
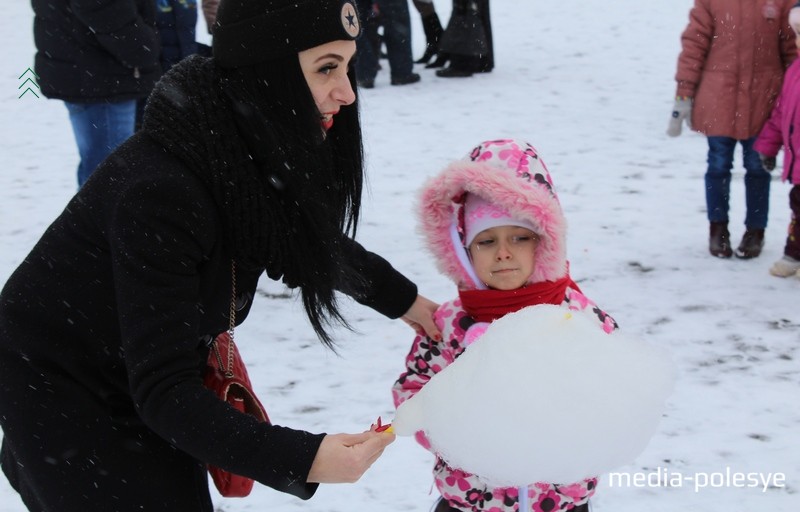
column 767, row 161
column 681, row 112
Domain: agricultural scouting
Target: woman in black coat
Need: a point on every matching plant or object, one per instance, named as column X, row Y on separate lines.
column 248, row 162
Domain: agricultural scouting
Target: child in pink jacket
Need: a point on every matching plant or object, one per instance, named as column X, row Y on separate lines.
column 494, row 225
column 783, row 129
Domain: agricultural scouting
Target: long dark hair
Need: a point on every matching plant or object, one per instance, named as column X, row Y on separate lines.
column 312, row 181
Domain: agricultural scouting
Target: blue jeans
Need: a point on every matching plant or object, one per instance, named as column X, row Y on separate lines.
column 99, row 128
column 396, row 35
column 718, row 182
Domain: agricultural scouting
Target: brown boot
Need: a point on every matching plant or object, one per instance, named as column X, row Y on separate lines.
column 719, row 240
column 752, row 243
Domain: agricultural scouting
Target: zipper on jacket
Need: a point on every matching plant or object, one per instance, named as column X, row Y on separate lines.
column 136, row 73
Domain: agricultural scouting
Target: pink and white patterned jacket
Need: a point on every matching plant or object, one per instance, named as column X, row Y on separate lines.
column 511, row 174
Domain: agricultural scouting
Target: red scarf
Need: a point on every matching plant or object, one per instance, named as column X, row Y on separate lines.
column 489, row 305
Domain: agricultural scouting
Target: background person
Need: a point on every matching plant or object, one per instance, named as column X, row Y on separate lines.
column 783, row 129
column 432, row 27
column 98, row 58
column 396, row 23
column 730, row 69
column 467, row 43
column 176, row 22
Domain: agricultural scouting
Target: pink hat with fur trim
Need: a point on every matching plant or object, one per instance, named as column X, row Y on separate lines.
column 509, row 175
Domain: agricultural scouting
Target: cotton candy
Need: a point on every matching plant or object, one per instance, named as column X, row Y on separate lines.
column 545, row 395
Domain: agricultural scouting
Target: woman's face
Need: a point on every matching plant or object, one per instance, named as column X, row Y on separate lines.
column 504, row 256
column 325, row 69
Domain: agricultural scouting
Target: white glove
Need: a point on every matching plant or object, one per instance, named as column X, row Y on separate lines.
column 682, row 111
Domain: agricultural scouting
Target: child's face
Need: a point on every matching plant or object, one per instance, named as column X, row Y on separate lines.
column 504, row 256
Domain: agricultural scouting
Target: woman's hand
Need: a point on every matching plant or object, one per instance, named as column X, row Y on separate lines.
column 343, row 458
column 420, row 318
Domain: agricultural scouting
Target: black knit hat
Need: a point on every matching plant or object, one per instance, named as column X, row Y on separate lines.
column 249, row 32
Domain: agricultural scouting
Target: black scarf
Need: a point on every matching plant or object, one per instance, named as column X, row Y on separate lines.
column 269, row 211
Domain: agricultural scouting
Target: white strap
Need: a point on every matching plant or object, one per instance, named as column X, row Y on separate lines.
column 463, row 258
column 523, row 499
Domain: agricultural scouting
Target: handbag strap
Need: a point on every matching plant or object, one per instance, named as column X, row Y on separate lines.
column 228, row 369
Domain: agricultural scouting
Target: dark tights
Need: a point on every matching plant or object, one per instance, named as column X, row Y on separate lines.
column 443, row 506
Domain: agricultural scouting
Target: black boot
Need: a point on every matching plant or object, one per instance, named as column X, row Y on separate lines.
column 453, row 72
column 433, row 32
column 440, row 60
column 460, row 66
column 719, row 240
column 752, row 243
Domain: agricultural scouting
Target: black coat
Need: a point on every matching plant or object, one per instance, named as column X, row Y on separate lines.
column 103, row 332
column 176, row 21
column 96, row 50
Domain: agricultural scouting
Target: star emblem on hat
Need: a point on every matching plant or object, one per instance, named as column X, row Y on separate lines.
column 350, row 20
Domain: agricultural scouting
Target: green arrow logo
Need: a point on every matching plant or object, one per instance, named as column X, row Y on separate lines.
column 29, row 81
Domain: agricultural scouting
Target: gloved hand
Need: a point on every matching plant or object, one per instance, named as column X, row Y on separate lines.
column 682, row 111
column 767, row 161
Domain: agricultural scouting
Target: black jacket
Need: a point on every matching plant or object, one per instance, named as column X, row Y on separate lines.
column 112, row 310
column 176, row 21
column 96, row 50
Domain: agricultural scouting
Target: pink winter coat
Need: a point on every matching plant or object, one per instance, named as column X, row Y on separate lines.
column 783, row 126
column 732, row 63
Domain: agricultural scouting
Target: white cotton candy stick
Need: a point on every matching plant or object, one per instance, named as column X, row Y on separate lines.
column 409, row 417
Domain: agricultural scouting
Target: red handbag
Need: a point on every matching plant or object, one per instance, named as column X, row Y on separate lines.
column 226, row 375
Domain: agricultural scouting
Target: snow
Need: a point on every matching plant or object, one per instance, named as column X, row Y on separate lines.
column 590, row 86
column 534, row 367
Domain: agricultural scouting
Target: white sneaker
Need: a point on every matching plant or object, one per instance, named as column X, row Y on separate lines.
column 785, row 267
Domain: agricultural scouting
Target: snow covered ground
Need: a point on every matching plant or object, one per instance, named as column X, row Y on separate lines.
column 590, row 85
